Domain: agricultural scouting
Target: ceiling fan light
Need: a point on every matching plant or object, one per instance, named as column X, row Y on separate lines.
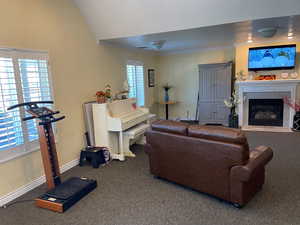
column 267, row 32
column 158, row 44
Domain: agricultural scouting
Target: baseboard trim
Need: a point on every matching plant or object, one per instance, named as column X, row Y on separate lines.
column 33, row 184
column 69, row 165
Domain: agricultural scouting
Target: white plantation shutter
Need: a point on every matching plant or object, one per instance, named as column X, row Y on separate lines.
column 135, row 77
column 11, row 134
column 131, row 78
column 35, row 87
column 24, row 77
column 140, row 85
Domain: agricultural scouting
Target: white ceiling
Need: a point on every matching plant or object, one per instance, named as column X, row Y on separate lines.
column 214, row 36
column 126, row 18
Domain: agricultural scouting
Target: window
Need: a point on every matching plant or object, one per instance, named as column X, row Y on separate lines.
column 135, row 78
column 24, row 77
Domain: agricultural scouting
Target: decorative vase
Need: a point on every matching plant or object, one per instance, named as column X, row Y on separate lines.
column 233, row 120
column 167, row 98
column 296, row 122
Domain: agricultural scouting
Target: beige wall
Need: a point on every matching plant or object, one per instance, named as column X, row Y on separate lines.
column 79, row 68
column 181, row 72
column 241, row 57
column 115, row 60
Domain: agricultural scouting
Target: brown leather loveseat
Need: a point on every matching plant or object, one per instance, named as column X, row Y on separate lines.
column 210, row 159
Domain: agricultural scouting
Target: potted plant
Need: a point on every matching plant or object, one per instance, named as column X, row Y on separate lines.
column 232, row 103
column 101, row 98
column 108, row 92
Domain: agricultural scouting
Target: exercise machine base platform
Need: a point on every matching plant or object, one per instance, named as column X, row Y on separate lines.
column 65, row 195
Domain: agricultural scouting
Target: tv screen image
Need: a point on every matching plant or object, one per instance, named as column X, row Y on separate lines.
column 271, row 58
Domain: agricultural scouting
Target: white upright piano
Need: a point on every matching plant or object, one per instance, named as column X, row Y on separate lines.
column 116, row 125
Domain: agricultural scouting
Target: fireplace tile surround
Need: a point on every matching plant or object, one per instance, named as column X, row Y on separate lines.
column 267, row 89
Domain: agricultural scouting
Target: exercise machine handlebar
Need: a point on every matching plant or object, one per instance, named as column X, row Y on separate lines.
column 44, row 114
column 33, row 117
column 30, row 104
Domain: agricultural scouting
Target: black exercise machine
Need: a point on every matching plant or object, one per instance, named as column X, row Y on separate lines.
column 60, row 195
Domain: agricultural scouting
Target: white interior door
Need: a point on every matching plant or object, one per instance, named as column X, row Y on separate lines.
column 207, row 85
column 222, row 113
column 208, row 111
column 222, row 86
column 214, row 88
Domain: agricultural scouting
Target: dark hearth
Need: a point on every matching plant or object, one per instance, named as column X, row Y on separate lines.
column 266, row 112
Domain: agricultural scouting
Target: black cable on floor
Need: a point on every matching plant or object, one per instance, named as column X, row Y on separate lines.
column 17, row 202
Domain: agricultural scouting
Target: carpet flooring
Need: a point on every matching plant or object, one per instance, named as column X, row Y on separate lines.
column 128, row 195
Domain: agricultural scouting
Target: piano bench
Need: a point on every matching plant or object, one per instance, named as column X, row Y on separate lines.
column 131, row 136
column 94, row 155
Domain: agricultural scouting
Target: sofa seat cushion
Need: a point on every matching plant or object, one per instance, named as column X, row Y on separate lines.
column 218, row 133
column 170, row 126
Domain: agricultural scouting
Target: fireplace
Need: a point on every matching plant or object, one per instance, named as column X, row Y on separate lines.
column 266, row 112
column 267, row 90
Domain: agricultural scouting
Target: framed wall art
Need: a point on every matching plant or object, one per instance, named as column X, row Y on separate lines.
column 151, row 78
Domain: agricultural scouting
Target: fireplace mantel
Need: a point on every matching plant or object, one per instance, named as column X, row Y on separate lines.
column 270, row 88
column 253, row 84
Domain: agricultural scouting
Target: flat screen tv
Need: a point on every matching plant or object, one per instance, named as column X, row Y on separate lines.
column 272, row 58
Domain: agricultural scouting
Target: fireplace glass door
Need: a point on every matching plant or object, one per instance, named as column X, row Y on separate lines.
column 266, row 112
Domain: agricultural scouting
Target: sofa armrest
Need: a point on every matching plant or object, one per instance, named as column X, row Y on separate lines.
column 259, row 157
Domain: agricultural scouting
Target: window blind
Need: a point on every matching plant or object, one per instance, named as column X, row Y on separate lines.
column 35, row 87
column 24, row 77
column 11, row 133
column 131, row 78
column 135, row 77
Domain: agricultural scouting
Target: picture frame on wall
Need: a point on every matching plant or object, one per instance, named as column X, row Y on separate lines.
column 151, row 78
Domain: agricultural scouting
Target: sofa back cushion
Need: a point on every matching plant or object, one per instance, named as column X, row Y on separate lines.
column 169, row 126
column 218, row 133
column 226, row 136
